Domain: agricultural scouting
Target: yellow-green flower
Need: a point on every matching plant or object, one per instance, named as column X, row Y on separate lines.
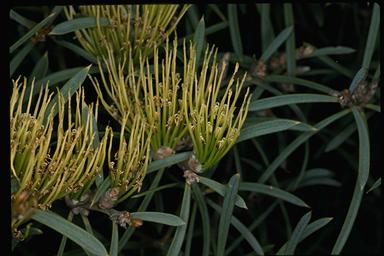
column 151, row 90
column 50, row 161
column 139, row 28
column 213, row 119
column 129, row 164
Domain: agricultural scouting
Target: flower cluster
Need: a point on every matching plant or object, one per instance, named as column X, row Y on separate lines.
column 175, row 105
column 43, row 168
column 136, row 28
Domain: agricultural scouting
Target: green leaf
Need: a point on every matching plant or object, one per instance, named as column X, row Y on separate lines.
column 177, row 241
column 297, row 234
column 159, row 217
column 363, row 173
column 143, row 206
column 225, row 217
column 78, row 235
column 336, row 66
column 272, row 191
column 220, row 189
column 289, row 149
column 375, row 185
column 299, row 81
column 372, row 34
column 337, row 50
column 77, row 50
column 243, row 230
column 349, row 220
column 77, row 24
column 68, row 90
column 168, row 161
column 234, row 30
column 266, row 27
column 41, row 68
column 204, row 217
column 310, row 229
column 364, row 148
column 30, row 33
column 359, row 77
column 63, row 241
column 256, row 222
column 276, row 43
column 190, row 231
column 282, row 100
column 256, row 129
column 113, row 250
column 103, row 187
column 155, row 190
column 21, row 19
column 319, row 176
column 199, row 39
column 19, row 57
column 341, row 137
column 290, row 47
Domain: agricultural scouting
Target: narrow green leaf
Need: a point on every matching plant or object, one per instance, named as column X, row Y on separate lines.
column 359, row 77
column 225, row 217
column 21, row 19
column 113, row 250
column 204, row 217
column 171, row 185
column 77, row 50
column 282, row 100
column 272, row 191
column 19, row 57
column 217, row 10
column 296, row 143
column 319, row 181
column 190, row 231
column 290, row 46
column 103, row 187
column 199, row 39
column 159, row 217
column 252, row 130
column 58, row 77
column 341, row 137
column 256, row 222
column 143, row 206
column 309, row 230
column 297, row 234
column 299, row 81
column 349, row 220
column 375, row 185
column 68, row 89
column 337, row 50
column 364, row 148
column 276, row 43
column 372, row 34
column 41, row 68
column 30, row 33
column 193, row 15
column 220, row 189
column 266, row 27
column 72, row 231
column 168, row 161
column 177, row 241
column 243, row 230
column 76, row 24
column 234, row 30
column 336, row 66
column 63, row 241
